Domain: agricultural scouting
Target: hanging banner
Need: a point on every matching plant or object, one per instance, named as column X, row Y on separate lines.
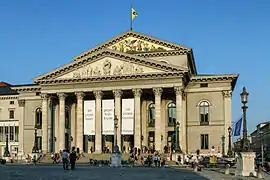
column 127, row 116
column 89, row 117
column 108, row 117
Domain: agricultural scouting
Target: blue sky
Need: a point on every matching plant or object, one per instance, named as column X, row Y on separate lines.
column 230, row 36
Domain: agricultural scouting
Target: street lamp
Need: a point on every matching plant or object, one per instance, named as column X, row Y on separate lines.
column 230, row 153
column 6, row 153
column 177, row 147
column 35, row 148
column 116, row 148
column 245, row 144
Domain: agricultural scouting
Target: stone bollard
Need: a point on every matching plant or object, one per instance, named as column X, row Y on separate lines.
column 227, row 170
column 259, row 173
column 195, row 167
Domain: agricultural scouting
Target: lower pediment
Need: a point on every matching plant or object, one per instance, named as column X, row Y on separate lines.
column 109, row 66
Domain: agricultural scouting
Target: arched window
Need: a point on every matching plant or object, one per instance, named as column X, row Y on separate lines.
column 204, row 112
column 171, row 114
column 152, row 116
column 38, row 123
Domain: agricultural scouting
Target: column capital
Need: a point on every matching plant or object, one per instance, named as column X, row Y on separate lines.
column 178, row 90
column 157, row 91
column 21, row 102
column 44, row 96
column 117, row 93
column 137, row 92
column 79, row 95
column 62, row 96
column 98, row 94
column 227, row 94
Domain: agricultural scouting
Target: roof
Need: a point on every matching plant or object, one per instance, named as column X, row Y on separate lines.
column 6, row 90
column 2, row 83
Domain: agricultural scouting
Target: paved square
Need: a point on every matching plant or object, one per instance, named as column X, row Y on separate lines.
column 55, row 172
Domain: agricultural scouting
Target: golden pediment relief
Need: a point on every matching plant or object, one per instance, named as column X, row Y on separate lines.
column 108, row 67
column 135, row 45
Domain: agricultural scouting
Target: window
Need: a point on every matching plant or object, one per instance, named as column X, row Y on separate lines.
column 171, row 114
column 39, row 142
column 204, row 141
column 11, row 133
column 16, row 134
column 2, row 139
column 152, row 116
column 39, row 118
column 204, row 85
column 11, row 114
column 204, row 113
column 37, row 93
column 11, row 102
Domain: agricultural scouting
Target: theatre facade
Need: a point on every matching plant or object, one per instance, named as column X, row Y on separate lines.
column 150, row 85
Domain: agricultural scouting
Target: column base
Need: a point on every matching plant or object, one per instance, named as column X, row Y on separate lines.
column 245, row 164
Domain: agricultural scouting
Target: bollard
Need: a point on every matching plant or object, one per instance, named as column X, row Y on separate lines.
column 259, row 173
column 195, row 167
column 227, row 170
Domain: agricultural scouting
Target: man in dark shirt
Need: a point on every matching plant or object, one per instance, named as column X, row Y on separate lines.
column 72, row 158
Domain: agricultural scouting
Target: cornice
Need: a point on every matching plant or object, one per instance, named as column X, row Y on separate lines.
column 8, row 97
column 111, row 78
column 135, row 35
column 107, row 53
column 163, row 53
column 204, row 78
column 34, row 88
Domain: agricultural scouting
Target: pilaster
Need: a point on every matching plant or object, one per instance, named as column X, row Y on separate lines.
column 45, row 141
column 227, row 116
column 21, row 126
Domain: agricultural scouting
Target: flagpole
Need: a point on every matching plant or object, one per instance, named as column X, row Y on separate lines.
column 131, row 17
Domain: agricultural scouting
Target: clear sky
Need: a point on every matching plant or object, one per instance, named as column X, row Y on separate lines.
column 229, row 36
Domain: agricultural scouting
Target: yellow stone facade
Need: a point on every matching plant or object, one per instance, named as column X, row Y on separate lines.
column 159, row 75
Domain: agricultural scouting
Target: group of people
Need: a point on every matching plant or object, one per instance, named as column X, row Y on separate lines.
column 66, row 157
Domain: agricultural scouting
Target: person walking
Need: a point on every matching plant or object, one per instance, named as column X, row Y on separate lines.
column 65, row 159
column 72, row 158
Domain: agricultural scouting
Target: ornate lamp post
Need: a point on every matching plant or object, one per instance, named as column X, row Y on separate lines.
column 6, row 153
column 223, row 145
column 35, row 148
column 245, row 144
column 177, row 147
column 116, row 148
column 230, row 153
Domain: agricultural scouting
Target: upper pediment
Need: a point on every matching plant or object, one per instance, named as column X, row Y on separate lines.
column 107, row 63
column 134, row 42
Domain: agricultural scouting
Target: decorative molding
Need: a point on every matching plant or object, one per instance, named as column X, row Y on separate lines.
column 205, row 78
column 157, row 91
column 117, row 93
column 8, row 97
column 79, row 95
column 62, row 96
column 111, row 78
column 98, row 94
column 21, row 102
column 178, row 91
column 32, row 88
column 137, row 92
column 227, row 94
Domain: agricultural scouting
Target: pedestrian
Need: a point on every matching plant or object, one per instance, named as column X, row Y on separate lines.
column 72, row 158
column 65, row 159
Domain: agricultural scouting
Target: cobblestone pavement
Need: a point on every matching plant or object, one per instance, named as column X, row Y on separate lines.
column 55, row 172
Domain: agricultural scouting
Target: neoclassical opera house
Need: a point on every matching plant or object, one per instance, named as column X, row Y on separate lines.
column 151, row 85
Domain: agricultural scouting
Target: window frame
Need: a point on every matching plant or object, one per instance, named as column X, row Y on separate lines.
column 11, row 115
column 205, row 116
column 204, row 141
column 38, row 118
column 169, row 107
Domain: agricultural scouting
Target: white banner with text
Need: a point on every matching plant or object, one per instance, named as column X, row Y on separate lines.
column 108, row 117
column 89, row 117
column 127, row 116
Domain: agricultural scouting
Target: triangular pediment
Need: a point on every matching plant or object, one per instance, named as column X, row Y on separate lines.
column 108, row 63
column 133, row 42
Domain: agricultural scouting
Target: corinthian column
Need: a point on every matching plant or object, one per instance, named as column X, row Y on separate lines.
column 98, row 135
column 44, row 123
column 79, row 123
column 62, row 117
column 158, row 93
column 137, row 135
column 21, row 126
column 227, row 116
column 117, row 100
